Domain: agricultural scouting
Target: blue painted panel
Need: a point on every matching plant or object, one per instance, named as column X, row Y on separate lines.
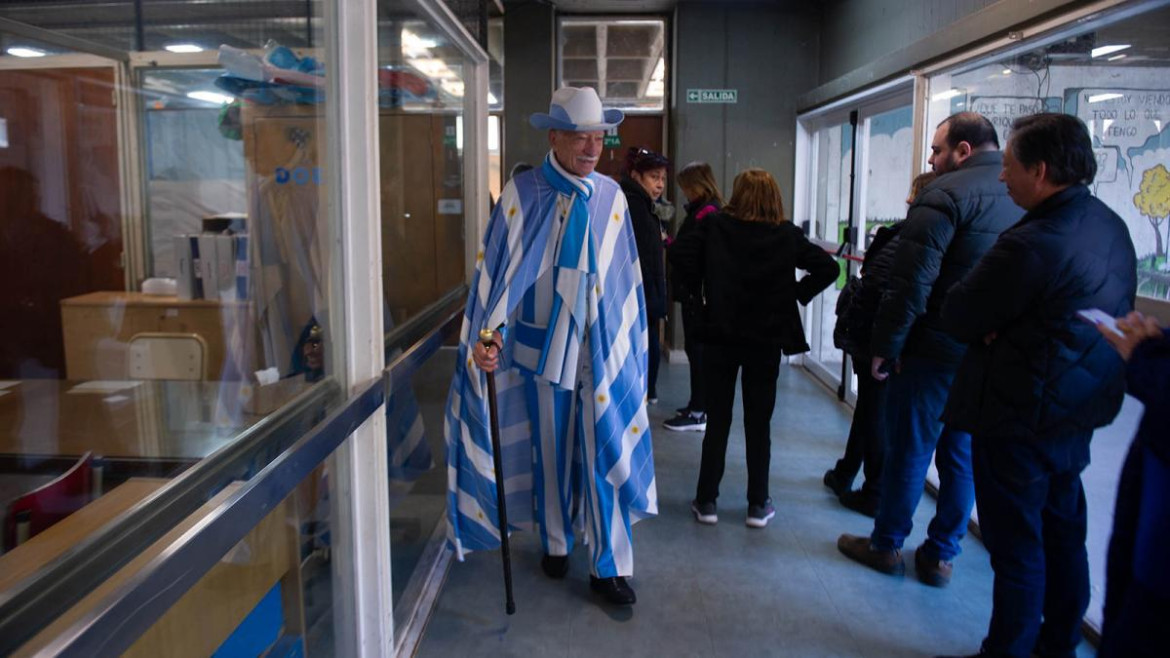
column 259, row 630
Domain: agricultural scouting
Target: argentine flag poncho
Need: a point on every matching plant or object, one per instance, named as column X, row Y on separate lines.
column 580, row 229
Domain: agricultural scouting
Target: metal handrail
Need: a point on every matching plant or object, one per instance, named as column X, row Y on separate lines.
column 131, row 609
column 32, row 604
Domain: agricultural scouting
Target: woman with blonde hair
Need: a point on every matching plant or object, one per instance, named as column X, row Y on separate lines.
column 744, row 259
column 698, row 186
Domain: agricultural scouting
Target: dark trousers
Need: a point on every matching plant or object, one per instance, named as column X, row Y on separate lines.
column 654, row 356
column 760, row 367
column 867, row 433
column 917, row 396
column 694, row 349
column 1137, row 580
column 1032, row 515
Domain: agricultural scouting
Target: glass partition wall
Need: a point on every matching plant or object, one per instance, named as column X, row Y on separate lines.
column 855, row 169
column 1109, row 67
column 183, row 240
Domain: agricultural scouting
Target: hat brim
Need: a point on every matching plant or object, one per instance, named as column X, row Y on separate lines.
column 542, row 121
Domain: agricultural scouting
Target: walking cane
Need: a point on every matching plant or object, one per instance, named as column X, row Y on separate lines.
column 485, row 337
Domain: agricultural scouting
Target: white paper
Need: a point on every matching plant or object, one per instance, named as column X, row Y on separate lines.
column 103, row 387
column 269, row 376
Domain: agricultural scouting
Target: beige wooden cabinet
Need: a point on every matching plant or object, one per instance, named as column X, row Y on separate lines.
column 98, row 326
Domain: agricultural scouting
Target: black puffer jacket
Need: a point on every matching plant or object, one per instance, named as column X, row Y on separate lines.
column 696, row 211
column 954, row 221
column 648, row 236
column 747, row 271
column 854, row 328
column 1046, row 374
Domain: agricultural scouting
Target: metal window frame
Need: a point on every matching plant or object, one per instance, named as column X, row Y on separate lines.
column 667, row 53
column 133, row 607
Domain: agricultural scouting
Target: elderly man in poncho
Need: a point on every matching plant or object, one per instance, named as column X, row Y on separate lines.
column 558, row 280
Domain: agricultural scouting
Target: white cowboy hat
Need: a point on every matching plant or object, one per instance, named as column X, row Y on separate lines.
column 577, row 110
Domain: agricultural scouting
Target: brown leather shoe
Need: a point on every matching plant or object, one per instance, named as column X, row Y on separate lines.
column 858, row 549
column 932, row 571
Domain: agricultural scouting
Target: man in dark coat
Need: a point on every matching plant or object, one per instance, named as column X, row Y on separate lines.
column 1036, row 380
column 949, row 227
column 1137, row 587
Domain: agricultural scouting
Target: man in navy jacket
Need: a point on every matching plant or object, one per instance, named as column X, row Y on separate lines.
column 1036, row 380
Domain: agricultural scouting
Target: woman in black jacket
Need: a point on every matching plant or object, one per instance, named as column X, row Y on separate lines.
column 697, row 182
column 867, row 433
column 744, row 259
column 643, row 181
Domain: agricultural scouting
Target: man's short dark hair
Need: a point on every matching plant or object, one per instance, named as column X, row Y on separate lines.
column 970, row 127
column 1060, row 141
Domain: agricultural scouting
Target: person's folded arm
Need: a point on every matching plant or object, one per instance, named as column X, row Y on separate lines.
column 821, row 270
column 1000, row 288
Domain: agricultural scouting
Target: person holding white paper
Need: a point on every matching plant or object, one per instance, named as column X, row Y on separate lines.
column 1036, row 380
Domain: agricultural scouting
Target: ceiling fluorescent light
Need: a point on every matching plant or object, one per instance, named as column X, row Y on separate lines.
column 210, row 97
column 943, row 95
column 20, row 51
column 1108, row 50
column 184, row 48
column 1007, row 71
column 1097, row 98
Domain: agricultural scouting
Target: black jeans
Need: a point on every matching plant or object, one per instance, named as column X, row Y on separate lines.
column 867, row 433
column 693, row 346
column 760, row 366
column 1032, row 514
column 654, row 357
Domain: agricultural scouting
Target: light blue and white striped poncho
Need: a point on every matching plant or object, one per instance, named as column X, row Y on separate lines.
column 599, row 284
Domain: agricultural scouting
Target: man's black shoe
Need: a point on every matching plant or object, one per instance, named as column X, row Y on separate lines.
column 555, row 566
column 861, row 502
column 836, row 483
column 615, row 590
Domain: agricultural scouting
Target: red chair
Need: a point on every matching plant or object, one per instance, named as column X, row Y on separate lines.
column 36, row 510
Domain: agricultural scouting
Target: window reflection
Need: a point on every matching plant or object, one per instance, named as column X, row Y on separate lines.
column 1114, row 79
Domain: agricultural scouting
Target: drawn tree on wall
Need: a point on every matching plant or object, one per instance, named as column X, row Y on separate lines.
column 1153, row 201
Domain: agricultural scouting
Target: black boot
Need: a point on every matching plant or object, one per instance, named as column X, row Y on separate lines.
column 555, row 566
column 836, row 483
column 615, row 590
column 860, row 501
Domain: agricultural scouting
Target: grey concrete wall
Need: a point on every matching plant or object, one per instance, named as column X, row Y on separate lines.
column 768, row 53
column 864, row 42
column 857, row 32
column 530, row 69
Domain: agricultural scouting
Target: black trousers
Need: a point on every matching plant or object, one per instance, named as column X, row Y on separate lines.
column 867, row 434
column 654, row 357
column 760, row 366
column 694, row 349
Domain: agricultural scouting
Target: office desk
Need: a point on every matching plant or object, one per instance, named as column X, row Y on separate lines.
column 125, row 420
column 204, row 617
column 35, row 553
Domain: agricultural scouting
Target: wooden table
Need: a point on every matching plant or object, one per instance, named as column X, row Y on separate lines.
column 206, row 615
column 145, row 420
column 22, row 561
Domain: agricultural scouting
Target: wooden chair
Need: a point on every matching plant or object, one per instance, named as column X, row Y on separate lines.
column 168, row 356
column 40, row 508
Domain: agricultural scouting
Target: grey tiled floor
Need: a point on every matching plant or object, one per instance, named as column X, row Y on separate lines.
column 727, row 590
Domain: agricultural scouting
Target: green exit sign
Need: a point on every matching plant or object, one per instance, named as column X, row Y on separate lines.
column 612, row 141
column 712, row 95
